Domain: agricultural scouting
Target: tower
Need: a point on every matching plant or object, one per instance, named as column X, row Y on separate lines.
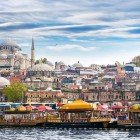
column 32, row 54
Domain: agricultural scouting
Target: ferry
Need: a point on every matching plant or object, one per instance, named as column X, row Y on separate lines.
column 77, row 114
column 22, row 117
column 133, row 120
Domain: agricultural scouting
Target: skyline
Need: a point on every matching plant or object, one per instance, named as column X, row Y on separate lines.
column 100, row 32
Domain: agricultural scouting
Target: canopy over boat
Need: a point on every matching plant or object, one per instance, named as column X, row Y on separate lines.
column 77, row 105
column 134, row 108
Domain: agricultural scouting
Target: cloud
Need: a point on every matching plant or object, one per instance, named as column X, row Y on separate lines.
column 78, row 25
column 71, row 47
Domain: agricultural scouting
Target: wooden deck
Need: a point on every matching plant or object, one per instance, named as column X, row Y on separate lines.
column 23, row 122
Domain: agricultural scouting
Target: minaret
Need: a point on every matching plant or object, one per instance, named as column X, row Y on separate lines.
column 32, row 54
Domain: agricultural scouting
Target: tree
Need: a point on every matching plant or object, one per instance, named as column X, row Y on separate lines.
column 36, row 62
column 44, row 60
column 15, row 92
column 136, row 61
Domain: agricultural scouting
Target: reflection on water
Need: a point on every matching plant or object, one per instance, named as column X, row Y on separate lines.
column 45, row 134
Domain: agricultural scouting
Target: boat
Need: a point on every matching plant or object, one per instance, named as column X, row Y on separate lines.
column 133, row 119
column 22, row 117
column 77, row 114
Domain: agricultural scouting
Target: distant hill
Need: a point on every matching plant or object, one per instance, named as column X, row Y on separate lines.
column 136, row 60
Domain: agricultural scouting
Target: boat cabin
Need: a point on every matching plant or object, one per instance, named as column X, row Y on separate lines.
column 134, row 114
column 77, row 111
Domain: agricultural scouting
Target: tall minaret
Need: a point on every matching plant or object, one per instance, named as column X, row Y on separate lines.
column 32, row 54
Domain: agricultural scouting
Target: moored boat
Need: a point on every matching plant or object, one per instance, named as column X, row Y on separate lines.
column 77, row 114
column 22, row 117
column 133, row 120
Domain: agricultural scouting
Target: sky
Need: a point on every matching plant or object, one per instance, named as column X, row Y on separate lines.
column 89, row 31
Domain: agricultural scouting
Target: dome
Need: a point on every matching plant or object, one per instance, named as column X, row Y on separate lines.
column 61, row 63
column 78, row 64
column 4, row 81
column 41, row 67
column 49, row 63
column 9, row 42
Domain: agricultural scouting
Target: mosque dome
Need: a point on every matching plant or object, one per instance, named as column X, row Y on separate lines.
column 49, row 63
column 4, row 82
column 9, row 43
column 78, row 64
column 61, row 63
column 41, row 67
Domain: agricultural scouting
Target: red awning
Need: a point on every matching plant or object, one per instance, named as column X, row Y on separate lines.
column 117, row 107
column 44, row 108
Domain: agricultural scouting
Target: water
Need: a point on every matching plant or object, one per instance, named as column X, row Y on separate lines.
column 45, row 134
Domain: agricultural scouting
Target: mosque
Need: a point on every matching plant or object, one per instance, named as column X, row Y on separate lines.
column 40, row 75
column 12, row 59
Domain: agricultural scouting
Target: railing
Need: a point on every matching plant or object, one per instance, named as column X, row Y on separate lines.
column 103, row 119
column 100, row 119
column 53, row 120
column 22, row 121
column 124, row 121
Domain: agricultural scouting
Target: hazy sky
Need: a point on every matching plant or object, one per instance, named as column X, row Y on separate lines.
column 89, row 31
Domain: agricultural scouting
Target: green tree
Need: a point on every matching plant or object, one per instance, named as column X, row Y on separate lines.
column 36, row 62
column 136, row 61
column 44, row 60
column 15, row 92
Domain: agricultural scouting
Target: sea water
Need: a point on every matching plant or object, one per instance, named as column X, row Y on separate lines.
column 54, row 134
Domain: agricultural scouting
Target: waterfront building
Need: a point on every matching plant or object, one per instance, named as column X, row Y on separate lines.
column 109, row 96
column 48, row 95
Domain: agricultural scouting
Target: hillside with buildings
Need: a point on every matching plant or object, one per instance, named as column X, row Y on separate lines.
column 60, row 82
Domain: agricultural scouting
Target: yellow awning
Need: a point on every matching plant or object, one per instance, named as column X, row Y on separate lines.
column 21, row 108
column 77, row 105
